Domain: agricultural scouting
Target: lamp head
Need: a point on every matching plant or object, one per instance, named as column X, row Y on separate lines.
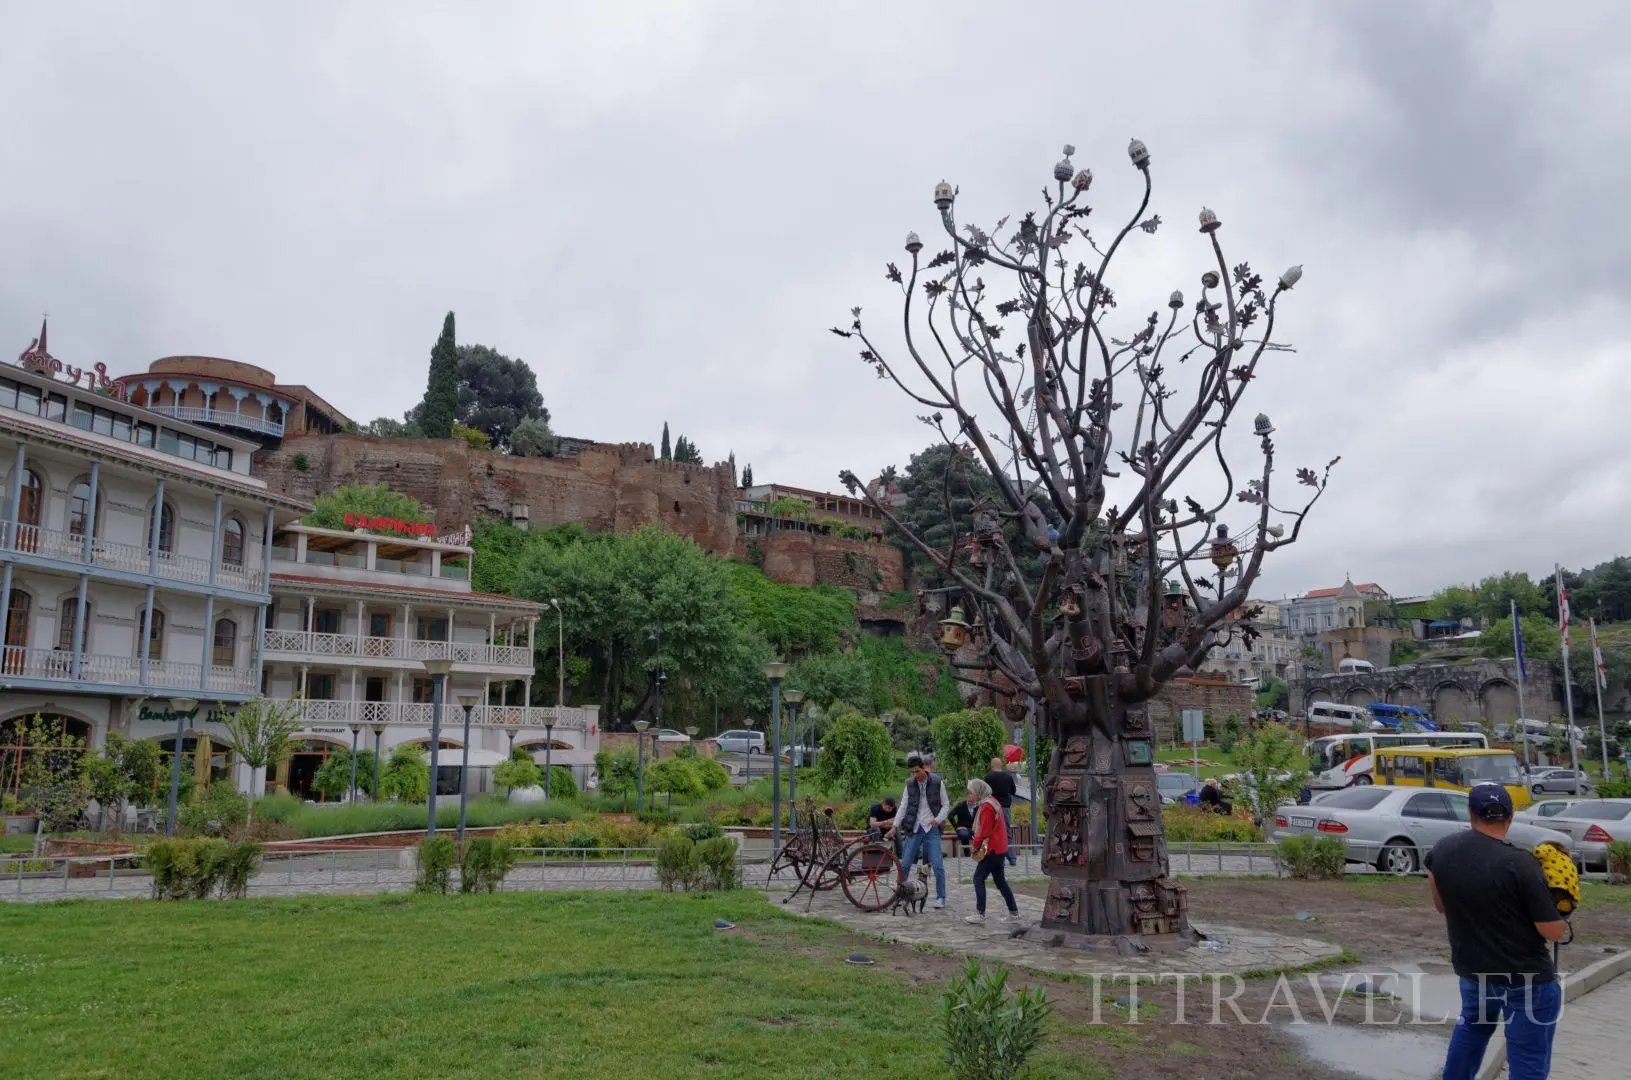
column 793, row 697
column 641, row 725
column 776, row 670
column 470, row 698
column 438, row 667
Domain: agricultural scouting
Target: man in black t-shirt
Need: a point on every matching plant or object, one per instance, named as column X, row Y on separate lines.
column 1499, row 915
column 1001, row 783
column 880, row 819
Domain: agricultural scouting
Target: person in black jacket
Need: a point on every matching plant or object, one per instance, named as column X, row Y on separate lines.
column 1002, row 785
column 961, row 818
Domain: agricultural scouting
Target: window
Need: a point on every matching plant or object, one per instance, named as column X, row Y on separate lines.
column 379, row 624
column 1360, row 798
column 373, row 688
column 102, row 422
column 1429, row 805
column 1406, row 766
column 424, row 690
column 167, row 529
column 326, row 621
column 429, row 629
column 17, row 622
column 225, row 652
column 68, row 623
column 146, row 434
column 121, row 427
column 155, row 636
column 169, row 442
column 56, row 407
column 232, row 542
column 28, row 399
column 8, row 394
column 79, row 508
column 320, row 687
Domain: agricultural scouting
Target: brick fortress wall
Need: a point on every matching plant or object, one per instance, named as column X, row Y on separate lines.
column 604, row 488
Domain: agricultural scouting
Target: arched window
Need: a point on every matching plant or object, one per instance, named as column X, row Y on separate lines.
column 16, row 631
column 167, row 529
column 225, row 651
column 232, row 542
column 68, row 622
column 30, row 507
column 155, row 636
column 80, row 516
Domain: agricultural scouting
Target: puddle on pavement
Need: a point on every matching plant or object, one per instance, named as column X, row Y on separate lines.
column 1427, row 991
column 1370, row 1053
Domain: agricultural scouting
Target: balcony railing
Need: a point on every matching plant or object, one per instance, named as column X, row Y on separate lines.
column 130, row 558
column 313, row 644
column 220, row 417
column 414, row 714
column 58, row 665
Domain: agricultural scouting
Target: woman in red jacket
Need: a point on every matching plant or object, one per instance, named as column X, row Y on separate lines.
column 990, row 847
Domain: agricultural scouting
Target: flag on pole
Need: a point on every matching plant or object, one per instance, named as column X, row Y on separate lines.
column 1597, row 656
column 1517, row 644
column 1563, row 617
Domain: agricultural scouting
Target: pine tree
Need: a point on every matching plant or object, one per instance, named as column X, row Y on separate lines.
column 747, row 476
column 686, row 452
column 442, row 389
column 732, row 460
column 668, row 452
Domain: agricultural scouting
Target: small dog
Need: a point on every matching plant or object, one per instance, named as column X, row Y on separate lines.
column 913, row 894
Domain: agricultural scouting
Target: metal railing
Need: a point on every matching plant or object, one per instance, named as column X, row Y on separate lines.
column 418, row 714
column 390, row 648
column 58, row 664
column 195, row 415
column 130, row 558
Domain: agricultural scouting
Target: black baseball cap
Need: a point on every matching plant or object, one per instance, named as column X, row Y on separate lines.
column 914, row 760
column 1489, row 801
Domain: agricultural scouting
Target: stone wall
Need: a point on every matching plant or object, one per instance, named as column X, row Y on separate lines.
column 604, row 488
column 1219, row 700
column 1468, row 691
column 805, row 558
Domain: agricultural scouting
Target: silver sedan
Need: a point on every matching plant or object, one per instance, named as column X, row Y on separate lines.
column 1593, row 824
column 1391, row 828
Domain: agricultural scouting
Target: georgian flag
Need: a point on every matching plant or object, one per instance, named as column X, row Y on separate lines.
column 1563, row 618
column 1597, row 656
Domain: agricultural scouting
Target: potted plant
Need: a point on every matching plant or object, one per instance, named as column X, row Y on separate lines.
column 17, row 819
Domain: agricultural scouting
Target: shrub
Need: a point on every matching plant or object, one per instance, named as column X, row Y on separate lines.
column 1614, row 789
column 1619, row 861
column 1231, row 734
column 220, row 811
column 964, row 744
column 989, row 1031
column 436, row 857
column 517, row 772
column 486, row 862
column 702, row 830
column 720, row 869
column 714, row 776
column 407, row 775
column 678, row 865
column 855, row 756
column 195, row 869
column 561, row 784
column 300, row 462
column 588, row 832
column 1312, row 857
column 1191, row 824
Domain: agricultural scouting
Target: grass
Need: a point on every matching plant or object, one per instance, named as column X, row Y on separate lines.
column 344, row 820
column 524, row 985
column 1224, row 762
column 11, row 845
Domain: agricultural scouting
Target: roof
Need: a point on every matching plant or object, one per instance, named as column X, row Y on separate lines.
column 1321, row 594
column 482, row 598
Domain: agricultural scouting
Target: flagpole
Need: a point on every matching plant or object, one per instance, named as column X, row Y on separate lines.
column 1597, row 682
column 1523, row 677
column 1568, row 683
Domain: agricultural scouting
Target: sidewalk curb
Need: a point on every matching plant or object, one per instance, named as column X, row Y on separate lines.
column 1577, row 984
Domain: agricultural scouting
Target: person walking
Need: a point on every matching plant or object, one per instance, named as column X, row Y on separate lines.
column 923, row 809
column 1499, row 915
column 990, row 847
column 1003, row 787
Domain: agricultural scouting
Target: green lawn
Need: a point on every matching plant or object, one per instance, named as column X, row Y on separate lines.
column 513, row 985
column 1223, row 764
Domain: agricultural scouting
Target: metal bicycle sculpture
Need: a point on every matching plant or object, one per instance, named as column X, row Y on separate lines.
column 868, row 870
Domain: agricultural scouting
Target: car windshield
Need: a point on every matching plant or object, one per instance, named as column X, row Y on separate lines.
column 1600, row 810
column 1484, row 768
column 1327, row 756
column 1356, row 798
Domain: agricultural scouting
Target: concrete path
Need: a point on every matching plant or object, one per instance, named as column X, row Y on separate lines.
column 1594, row 1043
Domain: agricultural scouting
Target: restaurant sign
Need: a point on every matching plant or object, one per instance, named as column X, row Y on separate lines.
column 169, row 716
column 424, row 530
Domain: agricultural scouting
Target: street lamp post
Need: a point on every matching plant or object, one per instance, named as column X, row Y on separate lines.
column 379, row 733
column 747, row 722
column 794, row 698
column 560, row 653
column 356, row 730
column 640, row 763
column 438, row 670
column 469, row 699
column 549, row 754
column 691, row 739
column 511, row 730
column 775, row 671
column 183, row 709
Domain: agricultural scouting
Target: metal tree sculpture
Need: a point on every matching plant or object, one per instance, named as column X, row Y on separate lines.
column 1093, row 615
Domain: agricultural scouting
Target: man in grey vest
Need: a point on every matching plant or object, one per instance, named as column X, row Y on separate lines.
column 923, row 809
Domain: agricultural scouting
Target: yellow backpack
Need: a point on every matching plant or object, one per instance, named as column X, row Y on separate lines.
column 1562, row 877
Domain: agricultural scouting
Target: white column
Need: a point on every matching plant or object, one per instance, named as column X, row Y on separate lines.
column 311, row 615
column 215, row 542
column 362, row 618
column 303, row 672
column 532, row 624
column 153, row 540
column 209, row 640
column 90, row 516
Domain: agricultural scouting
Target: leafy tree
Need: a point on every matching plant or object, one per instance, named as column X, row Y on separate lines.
column 373, row 500
column 107, row 782
column 440, row 406
column 795, row 620
column 53, row 771
column 908, row 731
column 1454, row 602
column 856, row 757
column 747, row 476
column 903, row 678
column 686, row 452
column 496, row 393
column 667, row 450
column 532, row 437
column 674, row 776
column 259, row 731
column 831, row 677
column 333, row 777
column 618, row 772
column 386, row 428
column 1275, row 694
column 1273, row 769
column 406, row 776
column 1403, row 651
column 517, row 772
column 474, row 438
column 1604, row 591
column 965, row 742
column 1498, row 592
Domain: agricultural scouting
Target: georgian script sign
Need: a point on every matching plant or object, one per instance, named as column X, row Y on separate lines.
column 38, row 359
column 422, row 529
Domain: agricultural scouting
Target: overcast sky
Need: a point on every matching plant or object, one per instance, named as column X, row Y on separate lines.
column 661, row 206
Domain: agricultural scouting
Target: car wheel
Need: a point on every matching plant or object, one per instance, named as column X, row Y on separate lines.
column 1398, row 857
column 1364, row 780
column 1538, row 789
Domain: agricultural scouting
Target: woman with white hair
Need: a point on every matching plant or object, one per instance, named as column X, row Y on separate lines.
column 990, row 847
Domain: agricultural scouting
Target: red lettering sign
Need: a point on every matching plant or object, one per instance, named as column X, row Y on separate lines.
column 385, row 524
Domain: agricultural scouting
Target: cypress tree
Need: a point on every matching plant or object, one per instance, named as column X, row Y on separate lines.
column 668, row 451
column 747, row 476
column 442, row 389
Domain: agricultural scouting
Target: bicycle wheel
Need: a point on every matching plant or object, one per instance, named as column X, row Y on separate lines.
column 871, row 877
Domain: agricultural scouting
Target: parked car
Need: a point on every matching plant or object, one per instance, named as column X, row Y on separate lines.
column 800, row 755
column 1176, row 787
column 1545, row 781
column 1593, row 824
column 669, row 735
column 1543, row 810
column 741, row 741
column 1391, row 828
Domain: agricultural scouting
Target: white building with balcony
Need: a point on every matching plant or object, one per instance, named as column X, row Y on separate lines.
column 1271, row 655
column 133, row 562
column 357, row 613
